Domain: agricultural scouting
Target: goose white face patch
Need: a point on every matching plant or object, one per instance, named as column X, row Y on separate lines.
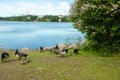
column 17, row 55
column 6, row 56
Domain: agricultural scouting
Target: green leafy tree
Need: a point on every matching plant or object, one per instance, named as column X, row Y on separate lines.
column 100, row 21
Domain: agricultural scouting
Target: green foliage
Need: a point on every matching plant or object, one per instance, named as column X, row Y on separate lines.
column 1, row 18
column 50, row 18
column 100, row 20
column 45, row 18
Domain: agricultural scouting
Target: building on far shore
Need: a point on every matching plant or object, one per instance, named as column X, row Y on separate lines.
column 60, row 18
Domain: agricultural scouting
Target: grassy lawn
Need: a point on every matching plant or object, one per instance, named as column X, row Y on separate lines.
column 48, row 66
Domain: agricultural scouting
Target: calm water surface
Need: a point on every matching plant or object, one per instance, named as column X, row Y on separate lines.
column 35, row 34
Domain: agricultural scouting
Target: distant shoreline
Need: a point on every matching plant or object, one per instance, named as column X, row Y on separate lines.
column 38, row 18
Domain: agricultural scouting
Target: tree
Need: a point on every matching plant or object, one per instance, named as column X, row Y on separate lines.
column 100, row 21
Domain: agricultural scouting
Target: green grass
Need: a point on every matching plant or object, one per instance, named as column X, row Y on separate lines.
column 48, row 66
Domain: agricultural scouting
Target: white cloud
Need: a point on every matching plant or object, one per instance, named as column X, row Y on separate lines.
column 22, row 7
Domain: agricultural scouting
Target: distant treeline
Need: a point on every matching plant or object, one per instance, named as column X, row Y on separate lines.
column 45, row 18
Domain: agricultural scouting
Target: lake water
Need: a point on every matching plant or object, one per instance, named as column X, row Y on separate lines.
column 16, row 35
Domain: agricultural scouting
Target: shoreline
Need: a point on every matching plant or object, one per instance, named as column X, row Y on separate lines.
column 27, row 49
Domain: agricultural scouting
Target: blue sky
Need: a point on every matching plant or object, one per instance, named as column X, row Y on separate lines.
column 34, row 7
